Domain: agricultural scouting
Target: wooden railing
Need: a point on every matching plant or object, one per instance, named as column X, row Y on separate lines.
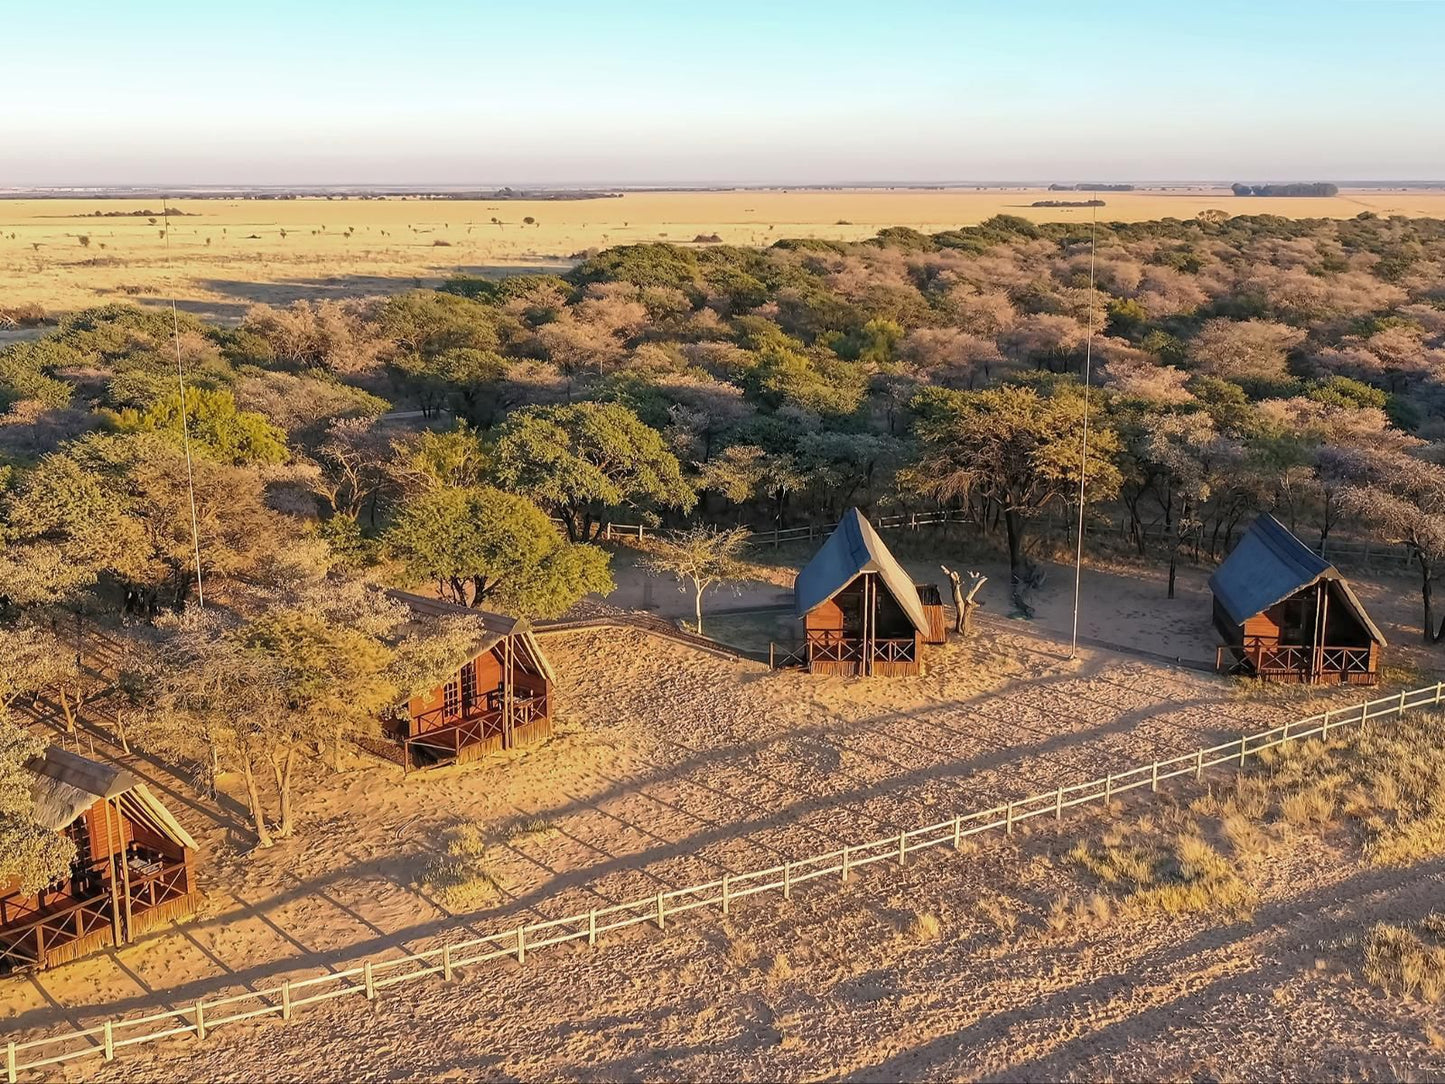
column 27, row 945
column 1268, row 659
column 723, row 893
column 830, row 646
column 167, row 883
column 449, row 740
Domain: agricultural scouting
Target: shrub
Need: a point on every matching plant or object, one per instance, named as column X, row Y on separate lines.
column 1403, row 963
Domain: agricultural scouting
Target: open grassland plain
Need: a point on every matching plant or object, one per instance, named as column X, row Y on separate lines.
column 674, row 766
column 225, row 255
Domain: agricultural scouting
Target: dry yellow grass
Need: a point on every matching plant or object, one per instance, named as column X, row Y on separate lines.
column 234, row 252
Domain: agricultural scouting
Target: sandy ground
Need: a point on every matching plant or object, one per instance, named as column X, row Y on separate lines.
column 233, row 253
column 673, row 766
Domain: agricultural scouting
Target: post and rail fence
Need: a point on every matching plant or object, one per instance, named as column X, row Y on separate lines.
column 526, row 939
column 1366, row 552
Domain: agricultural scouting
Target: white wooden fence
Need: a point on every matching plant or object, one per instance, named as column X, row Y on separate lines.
column 373, row 976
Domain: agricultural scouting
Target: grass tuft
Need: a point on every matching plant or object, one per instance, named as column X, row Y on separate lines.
column 1405, row 964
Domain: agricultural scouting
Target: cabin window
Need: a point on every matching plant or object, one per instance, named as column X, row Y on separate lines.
column 469, row 687
column 452, row 698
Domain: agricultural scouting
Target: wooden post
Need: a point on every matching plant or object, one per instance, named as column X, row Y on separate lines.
column 957, row 832
column 1199, row 765
column 771, row 664
column 845, row 863
column 1154, row 777
column 1401, row 709
column 286, row 999
column 661, row 915
column 1243, row 738
column 592, row 926
column 1108, row 787
column 370, row 982
column 787, row 880
column 1059, row 805
column 1008, row 820
column 10, row 1070
column 902, row 847
column 1439, row 686
column 1325, row 726
column 200, row 1021
column 727, row 903
column 109, row 1041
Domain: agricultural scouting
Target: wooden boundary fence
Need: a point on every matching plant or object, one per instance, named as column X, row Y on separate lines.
column 1366, row 552
column 373, row 976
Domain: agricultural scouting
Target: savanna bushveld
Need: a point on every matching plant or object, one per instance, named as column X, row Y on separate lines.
column 475, row 443
column 219, row 255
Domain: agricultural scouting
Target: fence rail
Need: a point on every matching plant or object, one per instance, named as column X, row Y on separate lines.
column 1366, row 552
column 373, row 976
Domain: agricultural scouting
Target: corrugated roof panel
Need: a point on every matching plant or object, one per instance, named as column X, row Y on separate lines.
column 852, row 549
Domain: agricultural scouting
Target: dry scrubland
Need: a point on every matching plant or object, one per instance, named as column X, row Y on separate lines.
column 1052, row 954
column 234, row 254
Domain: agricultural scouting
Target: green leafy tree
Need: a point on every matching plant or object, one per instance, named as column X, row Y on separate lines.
column 584, row 460
column 482, row 545
column 1015, row 451
column 218, row 428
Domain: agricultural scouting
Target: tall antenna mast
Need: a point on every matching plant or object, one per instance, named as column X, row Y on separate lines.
column 185, row 423
column 1084, row 443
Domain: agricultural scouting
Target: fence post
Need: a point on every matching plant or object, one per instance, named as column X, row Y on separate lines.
column 1243, row 738
column 1199, row 765
column 370, row 982
column 1401, row 709
column 1325, row 726
column 592, row 926
column 957, row 832
column 286, row 991
column 1008, row 820
column 1108, row 787
column 200, row 1021
column 902, row 847
column 771, row 665
column 446, row 963
column 1154, row 777
column 787, row 880
column 10, row 1070
column 109, row 1041
column 845, row 862
column 1439, row 686
column 727, row 903
column 639, row 531
column 1059, row 805
column 661, row 916
column 521, row 944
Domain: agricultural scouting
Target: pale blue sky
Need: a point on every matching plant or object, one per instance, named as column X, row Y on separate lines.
column 258, row 91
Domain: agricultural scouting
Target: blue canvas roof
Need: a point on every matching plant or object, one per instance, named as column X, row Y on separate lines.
column 852, row 549
column 1268, row 566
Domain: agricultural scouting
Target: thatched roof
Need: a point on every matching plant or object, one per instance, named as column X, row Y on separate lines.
column 492, row 628
column 67, row 784
column 851, row 550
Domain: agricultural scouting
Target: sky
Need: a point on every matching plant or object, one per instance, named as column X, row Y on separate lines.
column 737, row 92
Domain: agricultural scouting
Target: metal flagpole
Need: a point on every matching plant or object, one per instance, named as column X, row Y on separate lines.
column 185, row 423
column 1084, row 443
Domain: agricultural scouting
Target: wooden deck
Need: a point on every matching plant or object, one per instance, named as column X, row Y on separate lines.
column 443, row 739
column 1299, row 664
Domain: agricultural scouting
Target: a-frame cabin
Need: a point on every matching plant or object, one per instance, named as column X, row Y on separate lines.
column 862, row 613
column 500, row 699
column 1287, row 614
column 133, row 870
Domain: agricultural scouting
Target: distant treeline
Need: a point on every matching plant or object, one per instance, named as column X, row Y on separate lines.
column 1319, row 188
column 1091, row 188
column 170, row 212
column 1067, row 203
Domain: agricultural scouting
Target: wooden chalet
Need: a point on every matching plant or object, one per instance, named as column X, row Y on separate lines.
column 862, row 613
column 1286, row 614
column 500, row 699
column 133, row 868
